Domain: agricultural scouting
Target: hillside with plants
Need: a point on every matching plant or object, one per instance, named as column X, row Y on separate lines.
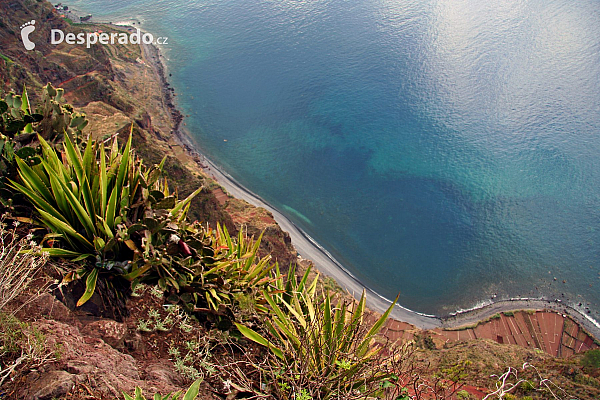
column 124, row 273
column 115, row 90
column 97, row 205
column 88, row 222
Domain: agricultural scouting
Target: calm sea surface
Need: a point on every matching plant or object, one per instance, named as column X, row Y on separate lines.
column 446, row 150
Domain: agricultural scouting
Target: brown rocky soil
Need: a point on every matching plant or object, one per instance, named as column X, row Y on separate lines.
column 93, row 359
column 97, row 358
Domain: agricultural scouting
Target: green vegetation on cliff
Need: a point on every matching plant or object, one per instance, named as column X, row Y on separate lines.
column 112, row 216
column 117, row 221
column 197, row 280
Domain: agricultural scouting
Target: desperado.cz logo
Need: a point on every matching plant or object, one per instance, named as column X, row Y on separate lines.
column 26, row 30
column 57, row 36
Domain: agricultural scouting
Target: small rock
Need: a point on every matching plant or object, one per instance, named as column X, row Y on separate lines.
column 111, row 332
column 79, row 367
column 162, row 372
column 54, row 384
column 133, row 342
column 50, row 307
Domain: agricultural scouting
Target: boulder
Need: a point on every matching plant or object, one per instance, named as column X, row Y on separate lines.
column 50, row 385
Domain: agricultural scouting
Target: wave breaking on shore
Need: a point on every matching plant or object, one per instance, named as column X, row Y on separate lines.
column 326, row 263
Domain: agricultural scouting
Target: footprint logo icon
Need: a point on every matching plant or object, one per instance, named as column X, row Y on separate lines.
column 26, row 30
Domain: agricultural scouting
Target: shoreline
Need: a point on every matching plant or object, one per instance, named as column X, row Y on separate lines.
column 324, row 262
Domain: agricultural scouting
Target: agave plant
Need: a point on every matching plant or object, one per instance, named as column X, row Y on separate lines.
column 285, row 288
column 205, row 269
column 190, row 394
column 328, row 348
column 91, row 199
column 237, row 263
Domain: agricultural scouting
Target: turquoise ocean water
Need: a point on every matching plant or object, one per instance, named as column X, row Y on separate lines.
column 446, row 150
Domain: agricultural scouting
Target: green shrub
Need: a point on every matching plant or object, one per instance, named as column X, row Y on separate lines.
column 319, row 349
column 205, row 270
column 591, row 359
column 456, row 372
column 91, row 200
column 424, row 341
column 303, row 395
column 191, row 394
column 463, row 395
column 216, row 269
column 527, row 386
column 586, row 379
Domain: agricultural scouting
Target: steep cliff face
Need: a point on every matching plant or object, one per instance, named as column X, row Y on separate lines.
column 28, row 65
column 119, row 85
column 70, row 67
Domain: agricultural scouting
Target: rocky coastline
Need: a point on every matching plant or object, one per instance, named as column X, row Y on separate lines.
column 126, row 89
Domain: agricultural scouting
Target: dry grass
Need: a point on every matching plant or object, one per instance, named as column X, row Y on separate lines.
column 22, row 347
column 20, row 258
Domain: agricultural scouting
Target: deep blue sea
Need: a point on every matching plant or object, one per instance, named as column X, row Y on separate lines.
column 446, row 150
